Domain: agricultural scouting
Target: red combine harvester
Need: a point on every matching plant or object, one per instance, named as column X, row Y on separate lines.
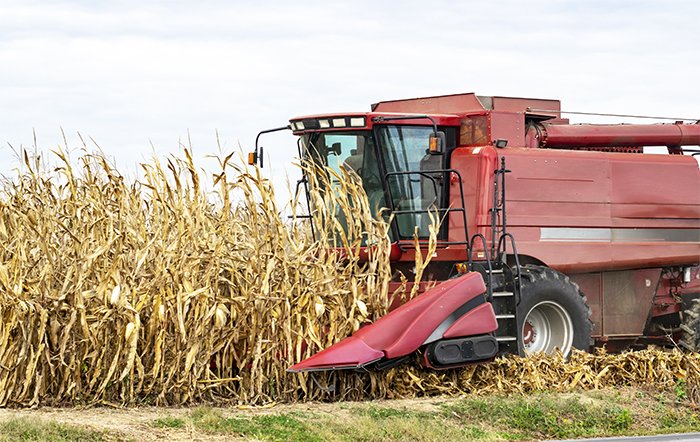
column 599, row 245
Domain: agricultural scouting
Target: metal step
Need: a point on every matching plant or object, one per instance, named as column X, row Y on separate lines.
column 505, row 316
column 506, row 338
column 501, row 294
column 494, row 271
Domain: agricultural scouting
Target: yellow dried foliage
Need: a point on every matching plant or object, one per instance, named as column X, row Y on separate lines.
column 159, row 291
column 653, row 367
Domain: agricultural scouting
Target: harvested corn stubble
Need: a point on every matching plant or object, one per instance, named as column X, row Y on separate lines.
column 158, row 291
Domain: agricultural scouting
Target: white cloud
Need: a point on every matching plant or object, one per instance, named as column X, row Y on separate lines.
column 129, row 72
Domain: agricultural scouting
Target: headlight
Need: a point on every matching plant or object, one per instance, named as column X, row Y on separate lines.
column 357, row 122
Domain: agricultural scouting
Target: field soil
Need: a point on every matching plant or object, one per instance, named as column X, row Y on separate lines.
column 625, row 411
column 140, row 423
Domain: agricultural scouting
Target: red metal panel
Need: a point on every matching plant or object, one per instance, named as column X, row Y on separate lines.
column 668, row 185
column 465, row 103
column 409, row 327
column 468, row 167
column 663, row 216
column 662, row 254
column 476, row 166
column 508, row 126
column 405, row 329
column 579, row 257
column 558, row 213
column 574, row 191
column 440, row 120
column 556, row 177
column 478, row 321
column 350, row 352
column 512, row 104
column 447, row 104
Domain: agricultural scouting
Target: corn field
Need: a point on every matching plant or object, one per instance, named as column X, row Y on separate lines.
column 182, row 287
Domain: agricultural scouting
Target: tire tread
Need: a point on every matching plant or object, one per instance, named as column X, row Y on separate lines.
column 537, row 274
column 690, row 326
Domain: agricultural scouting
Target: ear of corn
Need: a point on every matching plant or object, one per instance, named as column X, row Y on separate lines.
column 158, row 291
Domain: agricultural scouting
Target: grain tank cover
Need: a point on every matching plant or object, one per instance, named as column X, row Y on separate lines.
column 470, row 103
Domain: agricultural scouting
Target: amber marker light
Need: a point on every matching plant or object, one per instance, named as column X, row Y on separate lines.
column 434, row 145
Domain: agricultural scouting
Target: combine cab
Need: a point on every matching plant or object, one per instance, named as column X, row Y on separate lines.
column 566, row 236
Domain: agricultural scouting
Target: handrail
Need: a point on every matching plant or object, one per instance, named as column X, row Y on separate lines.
column 499, row 205
column 515, row 256
column 489, row 287
column 429, row 174
column 305, row 181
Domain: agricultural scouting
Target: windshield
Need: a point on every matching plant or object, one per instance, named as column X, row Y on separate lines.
column 411, row 187
column 406, row 170
column 351, row 151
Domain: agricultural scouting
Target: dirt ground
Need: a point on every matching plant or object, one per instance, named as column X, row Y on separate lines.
column 645, row 411
column 137, row 423
column 132, row 423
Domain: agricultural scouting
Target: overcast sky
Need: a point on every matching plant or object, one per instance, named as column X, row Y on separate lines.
column 131, row 74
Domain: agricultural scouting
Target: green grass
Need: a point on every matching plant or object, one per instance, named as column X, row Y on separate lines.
column 375, row 423
column 383, row 413
column 548, row 415
column 536, row 416
column 276, row 427
column 169, row 422
column 680, row 390
column 25, row 429
column 354, row 423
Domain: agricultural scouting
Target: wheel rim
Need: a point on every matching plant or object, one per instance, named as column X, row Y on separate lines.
column 547, row 327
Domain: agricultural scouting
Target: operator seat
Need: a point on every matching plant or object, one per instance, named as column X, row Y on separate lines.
column 354, row 161
column 427, row 196
column 369, row 176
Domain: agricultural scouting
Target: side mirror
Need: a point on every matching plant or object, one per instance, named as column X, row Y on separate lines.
column 256, row 157
column 437, row 143
column 335, row 149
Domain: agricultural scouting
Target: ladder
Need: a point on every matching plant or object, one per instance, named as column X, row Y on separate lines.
column 502, row 281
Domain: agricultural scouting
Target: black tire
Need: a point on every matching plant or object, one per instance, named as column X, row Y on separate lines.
column 552, row 313
column 690, row 326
